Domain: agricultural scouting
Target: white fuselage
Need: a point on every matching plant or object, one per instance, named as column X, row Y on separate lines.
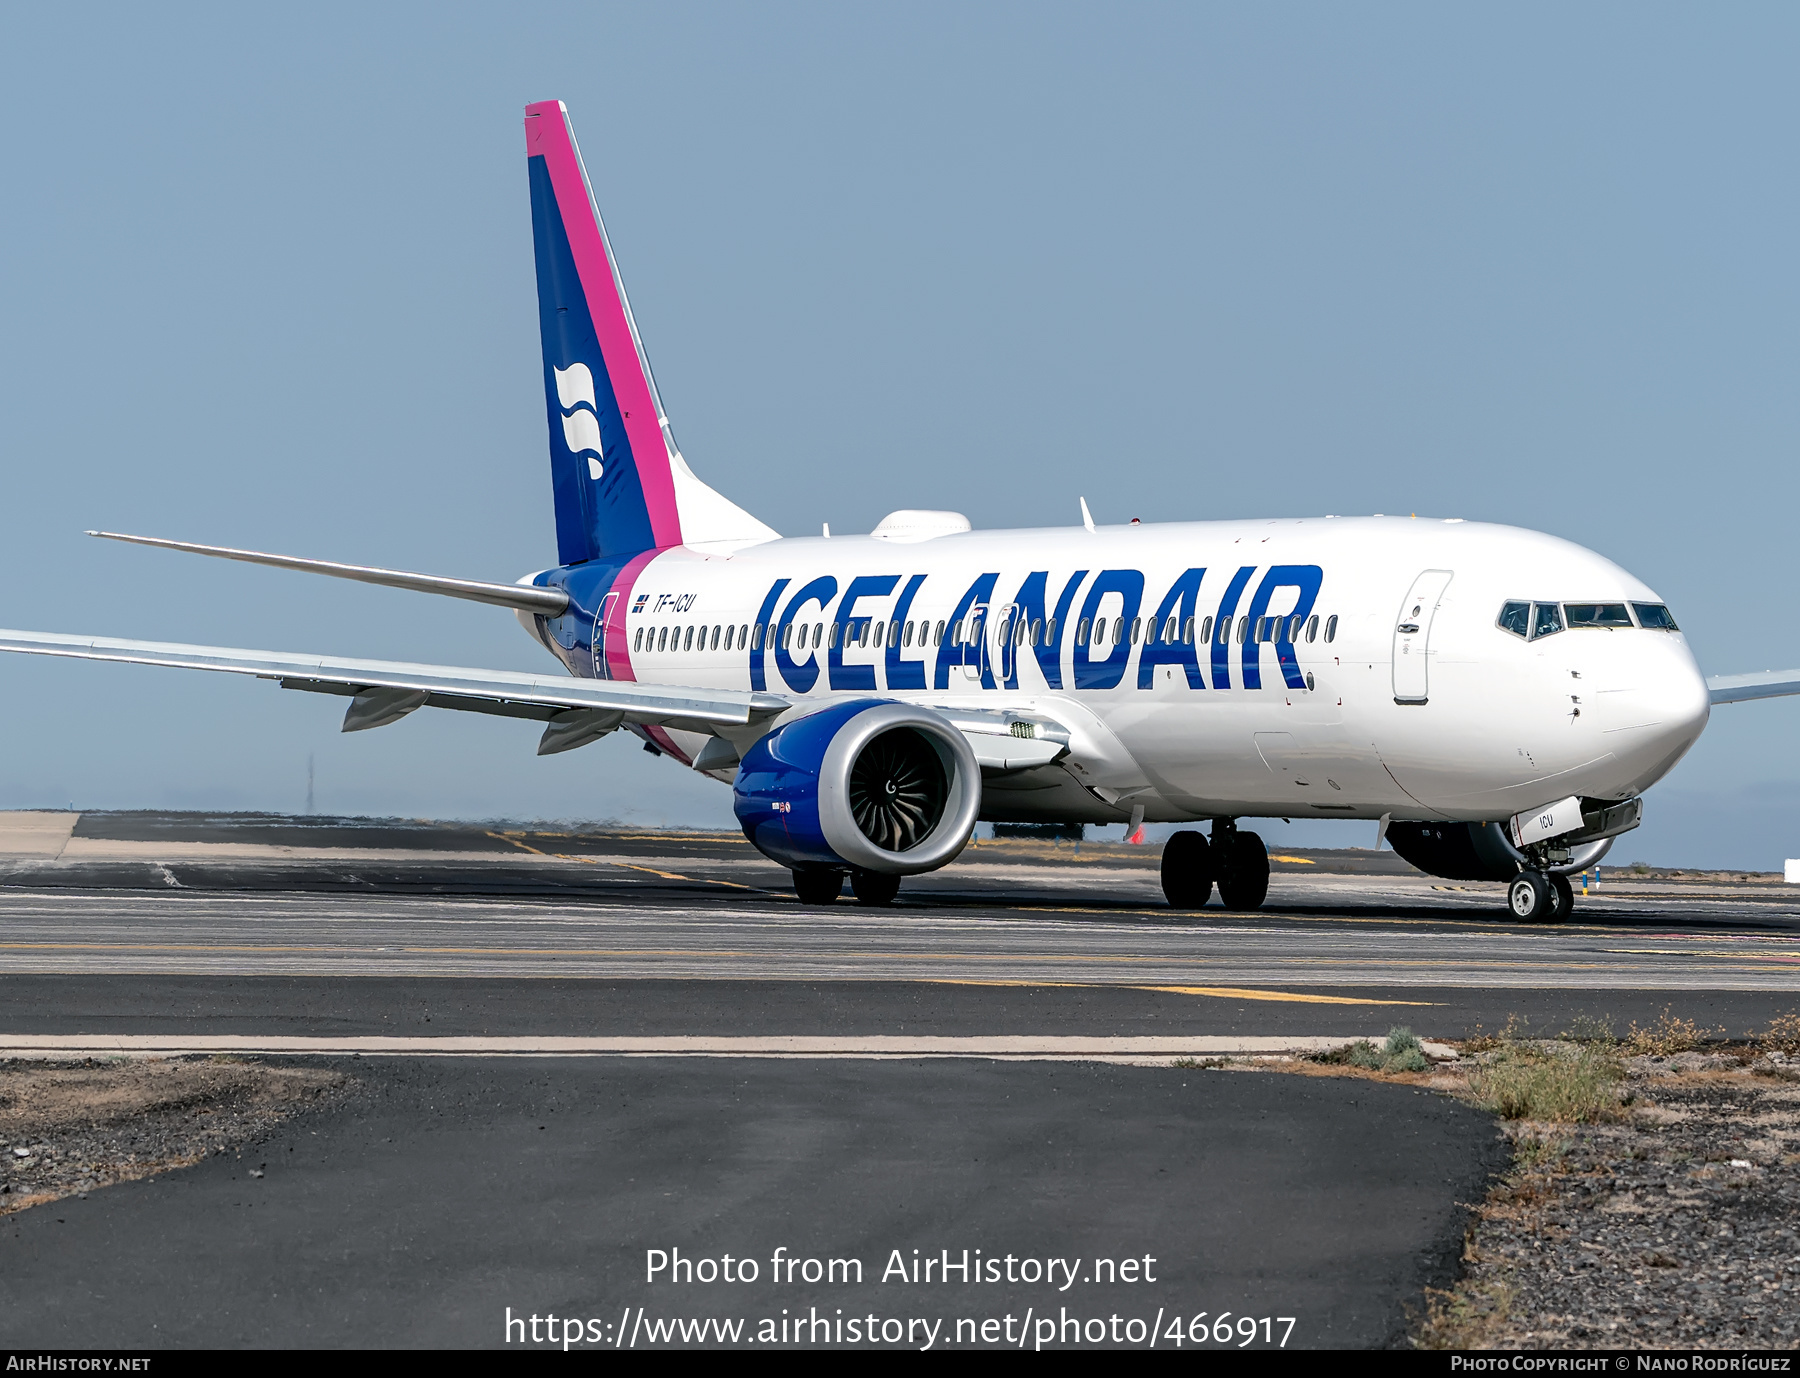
column 1457, row 719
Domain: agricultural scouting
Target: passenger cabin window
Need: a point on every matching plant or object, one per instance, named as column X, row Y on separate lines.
column 1331, row 627
column 1312, row 627
column 1597, row 614
column 1546, row 620
column 637, row 642
column 1206, row 629
column 1655, row 616
column 1515, row 618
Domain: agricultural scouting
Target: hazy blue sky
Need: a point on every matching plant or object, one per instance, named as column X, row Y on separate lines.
column 266, row 279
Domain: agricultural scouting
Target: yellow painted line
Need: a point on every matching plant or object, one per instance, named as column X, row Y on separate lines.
column 1294, row 860
column 666, row 875
column 607, row 861
column 1222, row 992
column 502, row 837
column 1236, row 993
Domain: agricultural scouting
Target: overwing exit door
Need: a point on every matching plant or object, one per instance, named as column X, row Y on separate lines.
column 975, row 650
column 1006, row 637
column 1412, row 636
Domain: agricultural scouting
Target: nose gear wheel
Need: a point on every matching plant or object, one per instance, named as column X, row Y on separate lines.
column 1534, row 897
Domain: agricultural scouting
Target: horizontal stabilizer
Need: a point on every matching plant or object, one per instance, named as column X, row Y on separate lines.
column 1766, row 684
column 505, row 692
column 525, row 598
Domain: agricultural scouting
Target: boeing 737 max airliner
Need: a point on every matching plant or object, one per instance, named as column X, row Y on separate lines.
column 1500, row 698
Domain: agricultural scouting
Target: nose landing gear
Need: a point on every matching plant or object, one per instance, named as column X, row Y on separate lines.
column 1537, row 897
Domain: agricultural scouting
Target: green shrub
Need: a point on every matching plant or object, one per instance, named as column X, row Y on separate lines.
column 1522, row 1082
column 1403, row 1053
column 1400, row 1052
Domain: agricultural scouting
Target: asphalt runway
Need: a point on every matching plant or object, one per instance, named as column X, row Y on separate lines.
column 994, row 1063
column 230, row 900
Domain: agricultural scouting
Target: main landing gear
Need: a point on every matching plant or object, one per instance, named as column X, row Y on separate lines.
column 1237, row 861
column 819, row 886
column 1538, row 897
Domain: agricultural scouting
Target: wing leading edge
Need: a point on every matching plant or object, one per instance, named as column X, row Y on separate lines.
column 1765, row 684
column 577, row 710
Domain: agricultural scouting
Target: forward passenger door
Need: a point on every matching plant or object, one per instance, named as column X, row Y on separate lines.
column 1412, row 636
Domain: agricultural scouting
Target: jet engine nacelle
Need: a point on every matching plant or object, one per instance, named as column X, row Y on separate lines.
column 871, row 785
column 1479, row 851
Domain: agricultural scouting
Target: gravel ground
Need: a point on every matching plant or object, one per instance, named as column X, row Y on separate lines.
column 1675, row 1227
column 69, row 1128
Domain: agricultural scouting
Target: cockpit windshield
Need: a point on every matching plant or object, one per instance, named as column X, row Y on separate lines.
column 1532, row 620
column 1597, row 614
column 1655, row 616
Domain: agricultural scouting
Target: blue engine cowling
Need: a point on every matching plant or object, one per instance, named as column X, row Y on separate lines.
column 870, row 784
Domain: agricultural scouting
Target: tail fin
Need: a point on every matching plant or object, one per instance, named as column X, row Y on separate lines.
column 621, row 485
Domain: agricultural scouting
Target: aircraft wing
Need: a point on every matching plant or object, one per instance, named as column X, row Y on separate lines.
column 1765, row 684
column 577, row 710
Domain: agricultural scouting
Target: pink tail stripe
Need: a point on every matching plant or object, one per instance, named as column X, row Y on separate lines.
column 547, row 134
column 617, row 643
column 662, row 739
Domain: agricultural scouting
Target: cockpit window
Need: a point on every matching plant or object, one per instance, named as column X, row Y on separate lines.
column 1516, row 618
column 1546, row 620
column 1597, row 614
column 1656, row 617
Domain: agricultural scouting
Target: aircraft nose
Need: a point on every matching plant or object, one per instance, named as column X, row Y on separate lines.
column 1674, row 701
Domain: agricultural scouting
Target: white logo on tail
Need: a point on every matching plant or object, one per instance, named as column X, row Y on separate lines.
column 581, row 429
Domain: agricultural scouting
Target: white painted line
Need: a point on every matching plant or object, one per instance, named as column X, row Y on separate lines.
column 1010, row 1045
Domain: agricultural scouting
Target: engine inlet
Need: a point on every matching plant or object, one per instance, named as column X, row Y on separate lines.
column 898, row 789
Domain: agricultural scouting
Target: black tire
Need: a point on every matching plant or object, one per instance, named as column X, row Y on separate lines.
column 1244, row 873
column 818, row 887
column 874, row 888
column 1187, row 870
column 1529, row 898
column 1564, row 895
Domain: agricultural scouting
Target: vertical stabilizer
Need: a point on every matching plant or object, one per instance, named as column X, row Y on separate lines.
column 621, row 485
